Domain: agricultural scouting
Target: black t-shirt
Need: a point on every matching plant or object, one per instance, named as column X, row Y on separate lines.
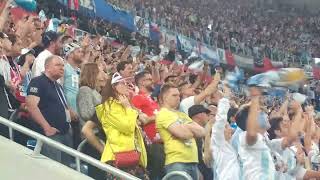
column 3, row 99
column 51, row 105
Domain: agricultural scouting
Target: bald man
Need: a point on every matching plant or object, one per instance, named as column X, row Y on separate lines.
column 48, row 107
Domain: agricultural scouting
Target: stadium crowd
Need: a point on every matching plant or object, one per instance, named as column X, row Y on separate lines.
column 151, row 118
column 241, row 26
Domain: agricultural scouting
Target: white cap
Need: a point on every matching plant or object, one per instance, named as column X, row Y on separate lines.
column 301, row 98
column 26, row 50
column 116, row 77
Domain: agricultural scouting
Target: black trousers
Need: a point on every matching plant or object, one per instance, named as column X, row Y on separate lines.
column 156, row 160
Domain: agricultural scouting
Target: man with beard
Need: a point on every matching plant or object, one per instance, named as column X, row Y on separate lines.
column 73, row 56
column 149, row 107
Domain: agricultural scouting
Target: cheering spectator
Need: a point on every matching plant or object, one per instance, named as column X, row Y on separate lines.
column 181, row 151
column 125, row 69
column 254, row 152
column 188, row 94
column 225, row 162
column 120, row 123
column 51, row 43
column 200, row 115
column 148, row 106
column 25, row 61
column 48, row 107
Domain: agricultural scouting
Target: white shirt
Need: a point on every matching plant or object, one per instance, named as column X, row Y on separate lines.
column 294, row 170
column 38, row 65
column 5, row 70
column 186, row 103
column 256, row 159
column 226, row 165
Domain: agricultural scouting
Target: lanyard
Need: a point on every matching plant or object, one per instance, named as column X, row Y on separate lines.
column 61, row 95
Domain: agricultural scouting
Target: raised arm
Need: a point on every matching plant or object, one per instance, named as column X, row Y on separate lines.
column 221, row 118
column 252, row 123
column 211, row 88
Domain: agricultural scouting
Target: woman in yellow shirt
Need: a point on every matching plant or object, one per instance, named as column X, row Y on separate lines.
column 120, row 123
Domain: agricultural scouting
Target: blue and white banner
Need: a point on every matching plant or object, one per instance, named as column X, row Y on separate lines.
column 114, row 15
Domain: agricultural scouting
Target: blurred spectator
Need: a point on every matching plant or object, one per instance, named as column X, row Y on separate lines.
column 4, row 131
column 125, row 69
column 120, row 123
column 225, row 157
column 48, row 107
column 200, row 115
column 25, row 62
column 190, row 98
column 51, row 43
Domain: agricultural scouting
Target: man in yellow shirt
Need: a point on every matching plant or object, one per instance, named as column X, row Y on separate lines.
column 177, row 131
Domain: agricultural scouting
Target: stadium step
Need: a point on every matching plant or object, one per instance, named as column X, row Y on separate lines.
column 17, row 163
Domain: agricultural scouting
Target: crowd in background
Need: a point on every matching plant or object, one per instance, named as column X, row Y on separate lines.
column 150, row 118
column 245, row 27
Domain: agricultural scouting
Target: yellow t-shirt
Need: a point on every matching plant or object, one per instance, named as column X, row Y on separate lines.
column 176, row 150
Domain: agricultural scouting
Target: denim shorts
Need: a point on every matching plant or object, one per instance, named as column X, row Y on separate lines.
column 189, row 168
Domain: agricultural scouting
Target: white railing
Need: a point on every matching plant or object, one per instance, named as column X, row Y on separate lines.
column 78, row 155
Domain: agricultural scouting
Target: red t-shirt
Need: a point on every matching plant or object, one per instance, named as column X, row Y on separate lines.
column 148, row 106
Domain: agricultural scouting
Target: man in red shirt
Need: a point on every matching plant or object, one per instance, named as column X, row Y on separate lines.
column 149, row 107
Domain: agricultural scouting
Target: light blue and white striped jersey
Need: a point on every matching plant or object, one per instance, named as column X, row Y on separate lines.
column 257, row 160
column 71, row 85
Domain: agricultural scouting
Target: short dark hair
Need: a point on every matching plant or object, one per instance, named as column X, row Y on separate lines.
column 167, row 78
column 139, row 76
column 182, row 84
column 231, row 113
column 65, row 38
column 274, row 125
column 164, row 89
column 242, row 117
column 49, row 37
column 122, row 65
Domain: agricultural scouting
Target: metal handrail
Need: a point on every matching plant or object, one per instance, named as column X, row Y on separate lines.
column 177, row 173
column 12, row 118
column 43, row 139
column 80, row 148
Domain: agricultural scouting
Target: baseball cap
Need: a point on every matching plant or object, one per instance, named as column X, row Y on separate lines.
column 49, row 36
column 69, row 48
column 197, row 109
